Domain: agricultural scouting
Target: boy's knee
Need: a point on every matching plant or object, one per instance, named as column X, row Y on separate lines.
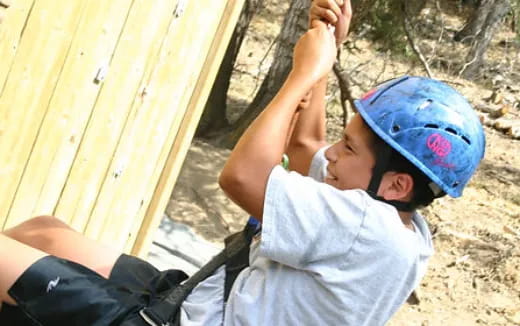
column 46, row 221
column 35, row 227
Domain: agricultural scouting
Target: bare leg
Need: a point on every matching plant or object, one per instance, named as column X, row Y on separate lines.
column 52, row 236
column 15, row 258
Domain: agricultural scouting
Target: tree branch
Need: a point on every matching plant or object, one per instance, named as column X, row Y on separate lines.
column 441, row 34
column 344, row 88
column 412, row 43
column 260, row 65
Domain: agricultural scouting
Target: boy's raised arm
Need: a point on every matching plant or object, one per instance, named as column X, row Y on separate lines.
column 310, row 128
column 259, row 150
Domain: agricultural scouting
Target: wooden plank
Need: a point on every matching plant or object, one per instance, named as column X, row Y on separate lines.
column 69, row 109
column 184, row 136
column 123, row 200
column 11, row 29
column 29, row 87
column 131, row 66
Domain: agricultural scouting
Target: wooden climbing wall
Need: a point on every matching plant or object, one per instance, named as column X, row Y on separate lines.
column 99, row 101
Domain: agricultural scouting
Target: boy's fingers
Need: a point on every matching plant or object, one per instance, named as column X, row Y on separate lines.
column 346, row 8
column 326, row 5
column 320, row 13
column 334, row 6
column 343, row 23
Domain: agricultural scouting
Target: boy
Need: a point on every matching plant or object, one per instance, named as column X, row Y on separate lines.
column 340, row 247
column 350, row 249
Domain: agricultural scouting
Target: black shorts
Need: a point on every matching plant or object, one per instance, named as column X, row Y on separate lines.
column 55, row 291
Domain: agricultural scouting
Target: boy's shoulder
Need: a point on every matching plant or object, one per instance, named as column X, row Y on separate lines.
column 386, row 224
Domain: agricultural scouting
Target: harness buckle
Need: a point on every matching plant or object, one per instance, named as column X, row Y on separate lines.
column 150, row 320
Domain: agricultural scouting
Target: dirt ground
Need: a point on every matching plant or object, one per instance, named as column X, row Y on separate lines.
column 474, row 277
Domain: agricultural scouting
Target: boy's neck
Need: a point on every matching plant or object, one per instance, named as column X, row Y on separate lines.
column 406, row 218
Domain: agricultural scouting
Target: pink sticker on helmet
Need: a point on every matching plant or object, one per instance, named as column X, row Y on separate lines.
column 439, row 145
column 369, row 94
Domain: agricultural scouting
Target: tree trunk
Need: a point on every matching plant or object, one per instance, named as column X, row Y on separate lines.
column 294, row 25
column 475, row 22
column 214, row 116
column 496, row 11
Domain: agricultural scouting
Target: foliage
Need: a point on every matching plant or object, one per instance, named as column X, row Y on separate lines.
column 385, row 26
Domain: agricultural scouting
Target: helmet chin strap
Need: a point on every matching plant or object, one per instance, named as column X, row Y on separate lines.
column 382, row 160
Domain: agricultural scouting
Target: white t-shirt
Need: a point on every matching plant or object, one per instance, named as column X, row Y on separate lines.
column 324, row 257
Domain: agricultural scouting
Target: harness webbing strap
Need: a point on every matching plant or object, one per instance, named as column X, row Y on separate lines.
column 165, row 312
column 237, row 253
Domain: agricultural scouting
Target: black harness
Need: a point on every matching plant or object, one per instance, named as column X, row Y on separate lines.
column 235, row 257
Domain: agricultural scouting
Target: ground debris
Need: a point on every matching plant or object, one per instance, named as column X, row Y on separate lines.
column 505, row 126
column 458, row 261
column 467, row 240
column 510, row 230
column 513, row 317
column 414, row 298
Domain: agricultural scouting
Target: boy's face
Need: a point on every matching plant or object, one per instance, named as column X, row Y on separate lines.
column 351, row 159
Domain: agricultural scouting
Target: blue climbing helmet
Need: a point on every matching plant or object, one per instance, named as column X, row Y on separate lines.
column 431, row 125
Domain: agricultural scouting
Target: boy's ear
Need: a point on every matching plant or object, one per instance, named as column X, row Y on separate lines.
column 397, row 186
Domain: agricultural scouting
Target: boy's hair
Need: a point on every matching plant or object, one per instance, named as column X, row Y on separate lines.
column 422, row 195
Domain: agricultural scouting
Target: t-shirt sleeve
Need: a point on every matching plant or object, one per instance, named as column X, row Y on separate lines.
column 318, row 168
column 306, row 221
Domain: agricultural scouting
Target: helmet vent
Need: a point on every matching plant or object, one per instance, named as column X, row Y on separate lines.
column 452, row 131
column 431, row 125
column 425, row 104
column 396, row 128
column 466, row 139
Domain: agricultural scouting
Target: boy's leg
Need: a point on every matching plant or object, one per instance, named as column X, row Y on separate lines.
column 15, row 258
column 39, row 289
column 52, row 236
